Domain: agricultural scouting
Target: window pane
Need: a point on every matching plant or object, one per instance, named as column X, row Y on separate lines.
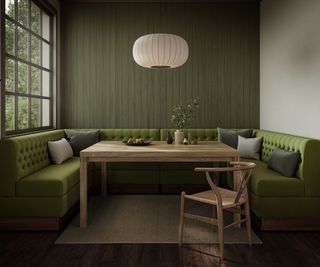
column 10, row 37
column 35, row 50
column 23, row 11
column 35, row 81
column 35, row 18
column 10, row 8
column 23, row 71
column 23, row 38
column 22, row 112
column 45, row 55
column 45, row 112
column 9, row 75
column 45, row 26
column 45, row 83
column 9, row 113
column 35, row 112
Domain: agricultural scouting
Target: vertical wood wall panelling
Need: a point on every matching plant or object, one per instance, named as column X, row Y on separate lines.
column 102, row 86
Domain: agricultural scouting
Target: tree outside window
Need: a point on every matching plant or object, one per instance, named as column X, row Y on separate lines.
column 28, row 71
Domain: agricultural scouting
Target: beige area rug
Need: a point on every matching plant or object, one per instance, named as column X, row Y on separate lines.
column 145, row 219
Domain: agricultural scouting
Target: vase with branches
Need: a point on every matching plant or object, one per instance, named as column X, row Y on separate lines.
column 182, row 117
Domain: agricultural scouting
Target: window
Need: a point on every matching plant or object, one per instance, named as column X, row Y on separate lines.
column 28, row 67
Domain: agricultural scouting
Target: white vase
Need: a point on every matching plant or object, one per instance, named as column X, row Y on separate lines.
column 178, row 137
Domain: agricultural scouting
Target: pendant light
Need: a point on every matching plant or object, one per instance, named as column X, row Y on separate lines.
column 160, row 51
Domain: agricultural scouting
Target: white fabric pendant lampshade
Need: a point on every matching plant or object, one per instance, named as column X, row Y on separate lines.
column 160, row 50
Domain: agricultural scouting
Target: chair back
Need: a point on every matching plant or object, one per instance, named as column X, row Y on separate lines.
column 244, row 168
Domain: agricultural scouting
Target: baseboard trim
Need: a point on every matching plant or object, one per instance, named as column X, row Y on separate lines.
column 288, row 224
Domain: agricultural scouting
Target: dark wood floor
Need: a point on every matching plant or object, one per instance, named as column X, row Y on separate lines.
column 278, row 249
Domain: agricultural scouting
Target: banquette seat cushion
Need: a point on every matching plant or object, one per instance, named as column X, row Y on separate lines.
column 54, row 180
column 265, row 182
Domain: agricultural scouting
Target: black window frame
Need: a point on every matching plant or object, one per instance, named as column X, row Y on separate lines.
column 52, row 13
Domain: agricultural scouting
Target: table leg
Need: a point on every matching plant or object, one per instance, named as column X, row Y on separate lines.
column 103, row 179
column 83, row 192
column 236, row 183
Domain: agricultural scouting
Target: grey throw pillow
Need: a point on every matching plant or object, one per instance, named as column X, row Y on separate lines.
column 249, row 147
column 81, row 140
column 230, row 137
column 60, row 150
column 284, row 162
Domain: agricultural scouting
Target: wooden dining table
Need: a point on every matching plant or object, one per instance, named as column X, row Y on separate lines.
column 158, row 151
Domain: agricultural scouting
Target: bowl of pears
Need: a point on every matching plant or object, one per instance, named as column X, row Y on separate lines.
column 136, row 142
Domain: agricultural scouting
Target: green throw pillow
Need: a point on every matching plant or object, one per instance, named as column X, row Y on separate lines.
column 230, row 137
column 284, row 162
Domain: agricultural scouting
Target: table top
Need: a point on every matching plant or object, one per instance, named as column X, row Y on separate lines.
column 159, row 151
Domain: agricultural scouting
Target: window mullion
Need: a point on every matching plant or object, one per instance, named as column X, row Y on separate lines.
column 16, row 110
column 26, row 29
column 51, row 73
column 29, row 67
column 41, row 87
column 27, row 62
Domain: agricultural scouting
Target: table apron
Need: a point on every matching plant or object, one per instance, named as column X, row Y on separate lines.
column 165, row 159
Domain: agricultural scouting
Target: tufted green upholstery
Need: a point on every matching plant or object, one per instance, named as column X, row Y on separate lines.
column 272, row 140
column 120, row 134
column 309, row 149
column 31, row 186
column 199, row 134
column 277, row 196
column 23, row 155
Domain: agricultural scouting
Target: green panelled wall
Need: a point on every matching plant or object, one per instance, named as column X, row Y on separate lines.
column 102, row 86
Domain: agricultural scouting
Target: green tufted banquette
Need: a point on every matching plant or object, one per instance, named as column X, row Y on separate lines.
column 31, row 186
column 275, row 196
column 24, row 155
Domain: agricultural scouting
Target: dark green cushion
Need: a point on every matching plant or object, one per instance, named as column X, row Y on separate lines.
column 268, row 183
column 54, row 180
column 80, row 140
column 230, row 136
column 284, row 162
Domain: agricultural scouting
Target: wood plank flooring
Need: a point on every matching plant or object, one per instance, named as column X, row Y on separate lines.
column 278, row 249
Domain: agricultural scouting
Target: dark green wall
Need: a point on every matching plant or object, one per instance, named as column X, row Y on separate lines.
column 102, row 86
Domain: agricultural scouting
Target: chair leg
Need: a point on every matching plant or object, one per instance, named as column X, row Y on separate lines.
column 248, row 221
column 214, row 216
column 221, row 231
column 181, row 218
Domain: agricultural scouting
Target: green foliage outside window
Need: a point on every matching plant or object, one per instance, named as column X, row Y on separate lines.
column 23, row 48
